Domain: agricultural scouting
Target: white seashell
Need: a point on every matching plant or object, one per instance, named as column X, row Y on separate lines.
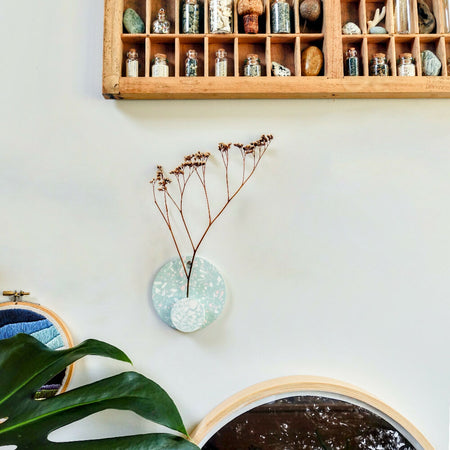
column 351, row 28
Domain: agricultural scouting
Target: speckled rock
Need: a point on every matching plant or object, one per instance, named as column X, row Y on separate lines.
column 427, row 22
column 351, row 28
column 431, row 66
column 310, row 9
column 279, row 70
column 133, row 22
column 312, row 61
column 377, row 30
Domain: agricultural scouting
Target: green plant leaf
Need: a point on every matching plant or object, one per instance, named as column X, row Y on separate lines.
column 140, row 442
column 26, row 364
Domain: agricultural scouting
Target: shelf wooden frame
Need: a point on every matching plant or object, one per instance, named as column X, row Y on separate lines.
column 283, row 48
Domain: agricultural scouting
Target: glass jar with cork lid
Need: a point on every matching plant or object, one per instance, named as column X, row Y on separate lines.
column 191, row 63
column 132, row 63
column 280, row 16
column 221, row 63
column 190, row 17
column 351, row 62
column 446, row 8
column 161, row 25
column 221, row 16
column 160, row 66
column 379, row 67
column 252, row 66
column 402, row 12
column 406, row 66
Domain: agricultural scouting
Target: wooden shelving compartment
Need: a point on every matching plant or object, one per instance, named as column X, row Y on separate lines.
column 285, row 49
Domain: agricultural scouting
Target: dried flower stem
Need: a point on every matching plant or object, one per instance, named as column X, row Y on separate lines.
column 196, row 164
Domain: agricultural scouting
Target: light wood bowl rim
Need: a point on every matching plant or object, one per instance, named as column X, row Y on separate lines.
column 299, row 383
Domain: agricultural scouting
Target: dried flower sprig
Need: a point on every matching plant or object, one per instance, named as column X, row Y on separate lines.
column 194, row 167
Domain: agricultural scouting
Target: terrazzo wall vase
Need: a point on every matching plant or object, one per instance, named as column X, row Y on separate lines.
column 188, row 292
column 202, row 306
column 18, row 316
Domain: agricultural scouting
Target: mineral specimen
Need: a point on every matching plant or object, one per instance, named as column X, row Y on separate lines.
column 351, row 28
column 310, row 9
column 312, row 61
column 133, row 22
column 427, row 22
column 431, row 66
column 279, row 70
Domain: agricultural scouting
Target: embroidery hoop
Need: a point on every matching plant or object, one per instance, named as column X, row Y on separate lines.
column 53, row 318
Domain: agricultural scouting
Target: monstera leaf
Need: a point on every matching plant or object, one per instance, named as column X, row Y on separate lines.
column 26, row 364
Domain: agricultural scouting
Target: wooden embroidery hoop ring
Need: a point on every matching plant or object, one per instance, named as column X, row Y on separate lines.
column 54, row 319
column 220, row 415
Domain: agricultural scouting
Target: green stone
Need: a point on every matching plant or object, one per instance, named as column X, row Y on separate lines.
column 431, row 65
column 132, row 22
column 377, row 30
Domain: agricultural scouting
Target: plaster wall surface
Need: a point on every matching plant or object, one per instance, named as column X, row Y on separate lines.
column 336, row 255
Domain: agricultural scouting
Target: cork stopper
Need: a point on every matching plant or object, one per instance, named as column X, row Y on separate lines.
column 405, row 55
column 352, row 52
column 379, row 55
column 191, row 53
column 252, row 59
column 160, row 55
column 132, row 54
column 221, row 53
column 250, row 7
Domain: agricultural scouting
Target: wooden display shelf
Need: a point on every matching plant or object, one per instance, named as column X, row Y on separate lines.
column 285, row 49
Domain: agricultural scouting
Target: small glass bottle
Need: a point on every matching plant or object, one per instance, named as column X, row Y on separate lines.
column 161, row 25
column 403, row 10
column 446, row 5
column 351, row 62
column 221, row 65
column 406, row 66
column 221, row 16
column 132, row 63
column 379, row 66
column 160, row 66
column 191, row 64
column 280, row 16
column 252, row 67
column 190, row 17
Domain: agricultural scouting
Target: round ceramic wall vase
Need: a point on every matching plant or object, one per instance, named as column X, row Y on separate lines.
column 206, row 295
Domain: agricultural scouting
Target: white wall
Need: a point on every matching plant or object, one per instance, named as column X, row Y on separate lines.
column 336, row 256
